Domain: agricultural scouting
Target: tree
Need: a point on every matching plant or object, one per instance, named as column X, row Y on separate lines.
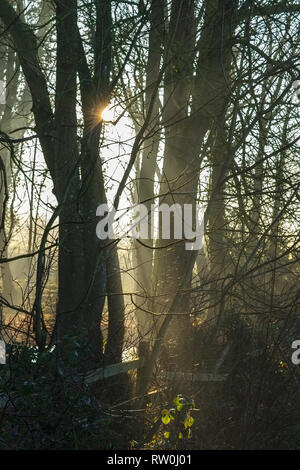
column 205, row 87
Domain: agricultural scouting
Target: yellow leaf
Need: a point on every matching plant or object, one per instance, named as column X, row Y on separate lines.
column 188, row 422
column 166, row 419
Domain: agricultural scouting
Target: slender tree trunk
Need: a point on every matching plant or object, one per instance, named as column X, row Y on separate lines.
column 71, row 262
column 188, row 130
column 145, row 186
column 102, row 271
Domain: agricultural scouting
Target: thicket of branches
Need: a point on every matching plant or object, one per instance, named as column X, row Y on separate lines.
column 204, row 111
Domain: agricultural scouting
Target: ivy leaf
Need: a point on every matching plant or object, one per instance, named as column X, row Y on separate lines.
column 166, row 417
column 191, row 421
column 177, row 400
column 188, row 422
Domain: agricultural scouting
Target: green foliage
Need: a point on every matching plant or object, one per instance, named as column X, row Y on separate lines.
column 177, row 423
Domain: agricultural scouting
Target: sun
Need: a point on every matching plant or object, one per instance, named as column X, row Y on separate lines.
column 107, row 114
